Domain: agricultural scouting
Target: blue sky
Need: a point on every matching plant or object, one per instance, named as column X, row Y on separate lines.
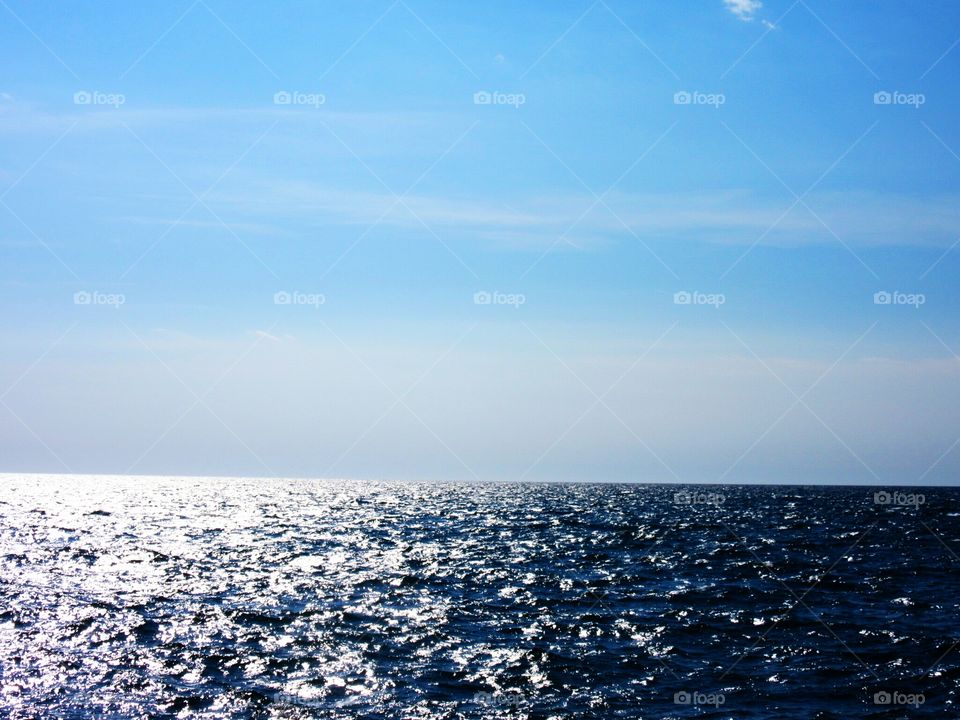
column 150, row 162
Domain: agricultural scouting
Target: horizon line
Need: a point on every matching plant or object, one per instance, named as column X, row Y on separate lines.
column 463, row 481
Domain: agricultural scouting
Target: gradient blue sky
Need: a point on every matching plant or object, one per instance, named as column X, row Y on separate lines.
column 398, row 198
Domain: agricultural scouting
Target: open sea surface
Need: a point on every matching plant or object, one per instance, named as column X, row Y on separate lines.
column 240, row 598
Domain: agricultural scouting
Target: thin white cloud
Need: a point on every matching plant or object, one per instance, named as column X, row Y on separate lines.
column 204, row 224
column 746, row 10
column 27, row 117
column 733, row 216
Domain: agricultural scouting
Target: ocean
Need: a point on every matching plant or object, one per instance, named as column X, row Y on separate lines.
column 156, row 597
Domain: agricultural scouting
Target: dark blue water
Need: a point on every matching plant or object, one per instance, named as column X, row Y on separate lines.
column 221, row 598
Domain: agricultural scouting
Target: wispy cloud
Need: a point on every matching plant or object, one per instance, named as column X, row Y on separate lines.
column 202, row 224
column 746, row 10
column 28, row 117
column 728, row 217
